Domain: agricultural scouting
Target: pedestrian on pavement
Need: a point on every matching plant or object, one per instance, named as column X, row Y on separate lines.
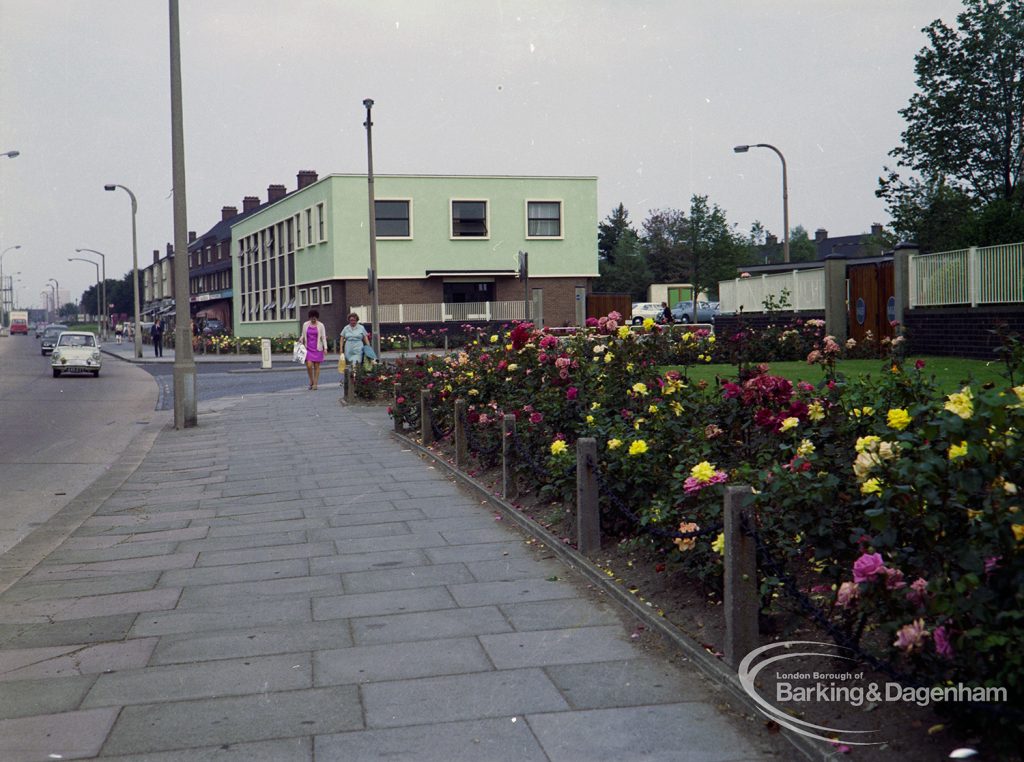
column 157, row 334
column 119, row 332
column 666, row 314
column 353, row 337
column 314, row 334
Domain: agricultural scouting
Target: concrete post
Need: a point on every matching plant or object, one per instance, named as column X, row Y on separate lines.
column 509, row 487
column 741, row 599
column 537, row 309
column 588, row 513
column 426, row 419
column 835, row 298
column 396, row 414
column 901, row 279
column 350, row 385
column 461, row 446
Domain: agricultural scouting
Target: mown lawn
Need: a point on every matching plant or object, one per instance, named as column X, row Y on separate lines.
column 950, row 373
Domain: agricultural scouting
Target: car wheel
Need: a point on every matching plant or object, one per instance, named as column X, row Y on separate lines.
column 96, row 373
column 685, row 318
column 638, row 321
column 56, row 373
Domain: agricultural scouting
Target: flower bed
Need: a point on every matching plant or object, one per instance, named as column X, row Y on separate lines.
column 887, row 511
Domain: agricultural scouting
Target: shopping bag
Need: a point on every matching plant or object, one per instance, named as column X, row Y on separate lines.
column 341, row 365
column 299, row 352
column 368, row 352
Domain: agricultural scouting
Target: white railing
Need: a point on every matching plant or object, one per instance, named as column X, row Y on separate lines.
column 444, row 312
column 806, row 291
column 989, row 275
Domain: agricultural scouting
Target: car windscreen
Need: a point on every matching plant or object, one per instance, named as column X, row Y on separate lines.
column 74, row 340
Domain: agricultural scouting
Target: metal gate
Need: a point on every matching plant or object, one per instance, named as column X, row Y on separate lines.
column 871, row 302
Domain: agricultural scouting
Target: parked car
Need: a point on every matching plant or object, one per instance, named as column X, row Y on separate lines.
column 643, row 310
column 76, row 351
column 706, row 312
column 40, row 327
column 213, row 327
column 50, row 335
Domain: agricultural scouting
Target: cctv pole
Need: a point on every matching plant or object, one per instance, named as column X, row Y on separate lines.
column 374, row 296
column 185, row 415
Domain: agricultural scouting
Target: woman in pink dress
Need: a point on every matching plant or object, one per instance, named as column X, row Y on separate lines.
column 314, row 336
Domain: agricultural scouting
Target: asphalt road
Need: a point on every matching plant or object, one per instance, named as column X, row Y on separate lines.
column 216, row 380
column 59, row 435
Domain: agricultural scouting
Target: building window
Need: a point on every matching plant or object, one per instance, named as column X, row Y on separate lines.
column 469, row 219
column 320, row 222
column 314, row 296
column 298, row 231
column 393, row 218
column 325, row 295
column 309, row 227
column 303, row 297
column 544, row 219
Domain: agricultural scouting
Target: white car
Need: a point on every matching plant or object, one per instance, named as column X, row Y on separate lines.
column 642, row 310
column 77, row 351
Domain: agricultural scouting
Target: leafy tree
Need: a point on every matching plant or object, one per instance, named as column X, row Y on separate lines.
column 68, row 311
column 964, row 139
column 664, row 241
column 615, row 226
column 625, row 270
column 801, row 247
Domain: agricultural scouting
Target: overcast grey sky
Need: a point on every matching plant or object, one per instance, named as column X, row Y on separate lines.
column 649, row 97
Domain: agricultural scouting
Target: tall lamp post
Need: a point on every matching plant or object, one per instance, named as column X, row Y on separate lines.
column 374, row 296
column 785, row 193
column 135, row 265
column 3, row 291
column 103, row 307
column 53, row 301
column 56, row 296
column 185, row 413
column 99, row 307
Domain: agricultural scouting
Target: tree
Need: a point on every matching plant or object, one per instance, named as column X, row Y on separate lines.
column 801, row 247
column 610, row 232
column 664, row 242
column 625, row 270
column 964, row 139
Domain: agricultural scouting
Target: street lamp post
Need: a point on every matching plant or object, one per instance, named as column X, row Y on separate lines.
column 103, row 308
column 53, row 302
column 3, row 292
column 374, row 296
column 785, row 193
column 55, row 285
column 99, row 307
column 135, row 265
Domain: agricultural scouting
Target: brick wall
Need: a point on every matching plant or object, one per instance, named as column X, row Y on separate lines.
column 959, row 331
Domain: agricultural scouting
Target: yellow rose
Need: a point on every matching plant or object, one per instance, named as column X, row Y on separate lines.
column 608, row 356
column 867, row 444
column 1018, row 531
column 789, row 423
column 639, row 447
column 640, row 389
column 805, row 448
column 961, row 403
column 719, row 544
column 652, row 409
column 623, row 331
column 703, row 471
column 648, row 324
column 614, row 444
column 590, row 420
column 494, row 339
column 512, row 367
column 558, row 447
column 898, row 418
column 815, row 412
column 957, row 451
column 871, row 487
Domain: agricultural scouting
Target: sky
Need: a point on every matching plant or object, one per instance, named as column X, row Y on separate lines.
column 649, row 96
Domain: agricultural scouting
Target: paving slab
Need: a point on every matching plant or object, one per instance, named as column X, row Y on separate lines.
column 68, row 661
column 72, row 588
column 105, row 568
column 25, row 698
column 216, row 575
column 285, row 749
column 402, row 661
column 243, row 542
column 159, row 727
column 263, row 640
column 474, row 741
column 289, row 587
column 372, row 604
column 223, row 617
column 403, row 578
column 484, row 695
column 70, row 735
column 558, row 614
column 273, row 553
column 355, row 562
column 674, row 733
column 428, row 625
column 64, row 609
column 636, row 682
column 483, row 593
column 74, row 632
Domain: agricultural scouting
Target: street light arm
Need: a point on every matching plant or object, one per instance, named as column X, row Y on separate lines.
column 785, row 192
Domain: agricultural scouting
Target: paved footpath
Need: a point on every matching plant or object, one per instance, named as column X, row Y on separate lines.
column 286, row 582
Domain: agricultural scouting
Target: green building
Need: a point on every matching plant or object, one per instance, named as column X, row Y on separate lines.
column 447, row 251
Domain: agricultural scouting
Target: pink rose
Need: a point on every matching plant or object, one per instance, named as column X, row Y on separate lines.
column 867, row 567
column 536, row 418
column 571, row 393
column 847, row 595
column 917, row 593
column 894, row 579
column 942, row 645
column 911, row 636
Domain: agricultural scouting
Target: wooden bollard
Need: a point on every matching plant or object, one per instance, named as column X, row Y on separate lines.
column 509, row 487
column 461, row 446
column 588, row 515
column 426, row 419
column 350, row 386
column 741, row 599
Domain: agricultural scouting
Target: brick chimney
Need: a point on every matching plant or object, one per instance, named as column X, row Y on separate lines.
column 876, row 229
column 156, row 256
column 170, row 249
column 227, row 212
column 820, row 234
column 275, row 193
column 249, row 203
column 771, row 240
column 304, row 178
column 191, row 236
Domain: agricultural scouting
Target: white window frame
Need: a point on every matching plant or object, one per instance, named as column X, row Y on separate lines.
column 561, row 219
column 298, row 232
column 309, row 226
column 326, row 295
column 303, row 297
column 321, row 222
column 314, row 296
column 397, row 237
column 451, row 219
